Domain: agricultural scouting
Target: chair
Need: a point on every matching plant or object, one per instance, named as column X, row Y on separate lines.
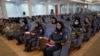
column 65, row 48
column 95, row 25
column 77, row 41
column 87, row 35
column 47, row 20
column 44, row 27
column 50, row 28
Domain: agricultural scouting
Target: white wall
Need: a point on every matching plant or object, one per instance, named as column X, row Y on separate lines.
column 39, row 9
column 23, row 7
column 0, row 12
column 94, row 7
column 51, row 7
column 70, row 8
column 63, row 9
column 16, row 10
column 11, row 9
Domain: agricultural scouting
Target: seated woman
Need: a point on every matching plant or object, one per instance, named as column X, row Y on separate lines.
column 35, row 34
column 53, row 20
column 77, row 26
column 87, row 26
column 55, row 40
column 42, row 22
column 20, row 32
column 76, row 30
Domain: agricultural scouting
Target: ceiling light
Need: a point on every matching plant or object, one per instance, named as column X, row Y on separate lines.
column 8, row 0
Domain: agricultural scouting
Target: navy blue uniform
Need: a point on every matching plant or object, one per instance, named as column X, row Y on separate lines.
column 32, row 41
column 18, row 35
column 58, row 37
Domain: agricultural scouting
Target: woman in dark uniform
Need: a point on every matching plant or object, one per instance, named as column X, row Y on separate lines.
column 77, row 26
column 35, row 34
column 76, row 31
column 87, row 28
column 53, row 20
column 87, row 24
column 19, row 33
column 43, row 24
column 55, row 40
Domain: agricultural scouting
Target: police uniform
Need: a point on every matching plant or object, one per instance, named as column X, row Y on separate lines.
column 32, row 41
column 58, row 37
column 20, row 34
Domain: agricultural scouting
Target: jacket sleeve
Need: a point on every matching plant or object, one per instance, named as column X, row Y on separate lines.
column 40, row 32
column 64, row 38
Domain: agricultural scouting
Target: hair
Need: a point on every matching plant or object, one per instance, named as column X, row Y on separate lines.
column 38, row 25
column 24, row 13
column 43, row 19
column 54, row 19
column 62, row 25
column 87, row 19
column 62, row 17
column 25, row 20
column 77, row 18
column 68, row 19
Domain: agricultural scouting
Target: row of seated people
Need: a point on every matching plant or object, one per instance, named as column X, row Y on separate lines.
column 5, row 27
column 60, row 34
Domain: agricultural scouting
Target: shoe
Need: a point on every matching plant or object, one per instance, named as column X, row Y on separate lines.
column 18, row 43
column 26, row 50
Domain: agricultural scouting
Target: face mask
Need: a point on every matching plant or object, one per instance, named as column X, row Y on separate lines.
column 76, row 23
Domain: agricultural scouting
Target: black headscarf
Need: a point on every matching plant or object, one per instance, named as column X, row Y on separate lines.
column 39, row 25
column 54, row 19
column 62, row 26
column 79, row 24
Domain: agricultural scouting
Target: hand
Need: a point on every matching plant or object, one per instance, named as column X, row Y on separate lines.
column 40, row 37
column 18, row 30
column 51, row 41
column 73, row 33
column 79, row 33
column 84, row 30
column 33, row 34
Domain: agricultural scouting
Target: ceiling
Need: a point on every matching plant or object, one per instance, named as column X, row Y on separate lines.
column 54, row 1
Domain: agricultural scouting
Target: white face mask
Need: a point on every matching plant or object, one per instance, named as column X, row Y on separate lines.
column 76, row 23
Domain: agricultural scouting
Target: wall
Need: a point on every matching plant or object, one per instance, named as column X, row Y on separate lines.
column 63, row 9
column 23, row 8
column 51, row 6
column 16, row 10
column 11, row 9
column 70, row 8
column 0, row 12
column 94, row 7
column 38, row 9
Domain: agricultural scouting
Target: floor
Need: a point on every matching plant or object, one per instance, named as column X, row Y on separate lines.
column 5, row 50
column 19, row 49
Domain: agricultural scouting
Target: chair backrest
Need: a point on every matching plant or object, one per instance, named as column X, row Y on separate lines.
column 31, row 26
column 44, row 27
column 68, row 30
column 47, row 20
column 50, row 28
column 65, row 49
